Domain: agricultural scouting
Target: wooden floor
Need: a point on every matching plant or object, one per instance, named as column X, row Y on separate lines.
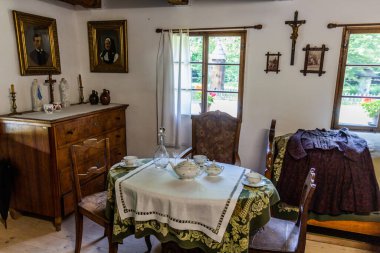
column 27, row 234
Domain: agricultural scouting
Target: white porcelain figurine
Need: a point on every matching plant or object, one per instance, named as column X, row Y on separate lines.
column 36, row 96
column 64, row 89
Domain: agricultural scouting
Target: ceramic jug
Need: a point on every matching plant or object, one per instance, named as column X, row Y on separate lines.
column 105, row 98
column 94, row 98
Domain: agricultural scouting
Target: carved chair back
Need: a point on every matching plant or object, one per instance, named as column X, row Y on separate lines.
column 216, row 135
column 89, row 160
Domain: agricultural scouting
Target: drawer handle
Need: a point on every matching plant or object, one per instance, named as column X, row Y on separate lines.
column 70, row 132
column 118, row 136
column 118, row 118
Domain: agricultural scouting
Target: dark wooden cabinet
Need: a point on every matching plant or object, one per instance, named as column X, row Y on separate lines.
column 38, row 146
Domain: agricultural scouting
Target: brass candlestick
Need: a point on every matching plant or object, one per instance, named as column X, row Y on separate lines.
column 14, row 106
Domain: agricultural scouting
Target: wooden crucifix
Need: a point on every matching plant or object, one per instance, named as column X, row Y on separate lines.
column 294, row 24
column 50, row 82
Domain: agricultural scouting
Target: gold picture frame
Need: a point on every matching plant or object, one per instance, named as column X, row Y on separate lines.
column 107, row 42
column 37, row 44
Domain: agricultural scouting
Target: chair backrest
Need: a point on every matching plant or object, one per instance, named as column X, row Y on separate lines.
column 216, row 134
column 270, row 149
column 307, row 194
column 90, row 163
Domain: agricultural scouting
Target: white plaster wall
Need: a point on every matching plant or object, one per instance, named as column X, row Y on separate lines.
column 294, row 100
column 9, row 63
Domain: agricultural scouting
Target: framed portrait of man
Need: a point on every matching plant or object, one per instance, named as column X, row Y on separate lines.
column 108, row 46
column 314, row 57
column 37, row 44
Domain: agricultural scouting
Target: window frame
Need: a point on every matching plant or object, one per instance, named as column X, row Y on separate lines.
column 347, row 31
column 205, row 65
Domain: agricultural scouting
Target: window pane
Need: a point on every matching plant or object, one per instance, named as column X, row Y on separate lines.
column 224, row 49
column 223, row 78
column 358, row 111
column 225, row 102
column 362, row 81
column 196, row 76
column 364, row 48
column 190, row 102
column 196, row 48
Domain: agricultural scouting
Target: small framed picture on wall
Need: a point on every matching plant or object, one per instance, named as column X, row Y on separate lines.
column 273, row 62
column 314, row 57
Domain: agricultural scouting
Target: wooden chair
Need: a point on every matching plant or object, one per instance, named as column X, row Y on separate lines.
column 90, row 160
column 283, row 235
column 216, row 135
column 270, row 149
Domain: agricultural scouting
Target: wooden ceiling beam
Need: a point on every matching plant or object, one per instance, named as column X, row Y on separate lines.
column 85, row 3
column 178, row 2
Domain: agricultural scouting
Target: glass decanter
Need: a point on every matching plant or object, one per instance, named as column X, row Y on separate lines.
column 161, row 156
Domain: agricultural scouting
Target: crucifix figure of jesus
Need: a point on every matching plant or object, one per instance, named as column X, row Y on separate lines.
column 50, row 82
column 294, row 24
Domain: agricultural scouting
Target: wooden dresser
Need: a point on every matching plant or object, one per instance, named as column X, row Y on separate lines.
column 38, row 146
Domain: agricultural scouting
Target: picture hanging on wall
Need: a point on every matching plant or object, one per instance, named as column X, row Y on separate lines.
column 107, row 41
column 37, row 44
column 314, row 57
column 273, row 62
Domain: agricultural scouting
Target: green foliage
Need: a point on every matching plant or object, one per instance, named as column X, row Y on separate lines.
column 363, row 49
column 197, row 96
column 231, row 46
column 372, row 108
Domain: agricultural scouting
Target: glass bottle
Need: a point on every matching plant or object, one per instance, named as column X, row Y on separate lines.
column 161, row 156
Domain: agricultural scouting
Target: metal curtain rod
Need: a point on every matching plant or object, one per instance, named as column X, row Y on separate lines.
column 258, row 27
column 332, row 25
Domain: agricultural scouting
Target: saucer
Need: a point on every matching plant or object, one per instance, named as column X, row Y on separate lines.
column 259, row 184
column 137, row 164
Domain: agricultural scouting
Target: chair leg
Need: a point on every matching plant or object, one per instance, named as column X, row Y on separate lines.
column 148, row 243
column 78, row 231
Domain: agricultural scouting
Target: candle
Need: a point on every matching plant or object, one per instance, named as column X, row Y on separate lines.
column 12, row 88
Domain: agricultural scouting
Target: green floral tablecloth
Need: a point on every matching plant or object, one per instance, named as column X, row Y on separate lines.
column 251, row 212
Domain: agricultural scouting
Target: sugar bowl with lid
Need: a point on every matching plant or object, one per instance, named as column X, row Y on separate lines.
column 214, row 169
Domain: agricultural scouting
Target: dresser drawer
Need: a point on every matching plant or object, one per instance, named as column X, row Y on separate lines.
column 107, row 121
column 117, row 141
column 86, row 127
column 71, row 132
column 117, row 153
column 65, row 180
column 116, row 137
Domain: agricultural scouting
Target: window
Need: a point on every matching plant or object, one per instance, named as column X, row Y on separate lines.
column 357, row 96
column 217, row 72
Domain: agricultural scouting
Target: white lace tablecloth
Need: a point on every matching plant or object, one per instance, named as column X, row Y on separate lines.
column 204, row 204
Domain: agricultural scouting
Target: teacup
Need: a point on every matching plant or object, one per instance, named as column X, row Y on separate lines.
column 49, row 108
column 57, row 106
column 130, row 160
column 200, row 159
column 253, row 177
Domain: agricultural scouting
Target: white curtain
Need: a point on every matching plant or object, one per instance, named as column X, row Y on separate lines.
column 173, row 74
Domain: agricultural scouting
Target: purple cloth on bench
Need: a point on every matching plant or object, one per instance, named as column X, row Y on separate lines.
column 346, row 181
